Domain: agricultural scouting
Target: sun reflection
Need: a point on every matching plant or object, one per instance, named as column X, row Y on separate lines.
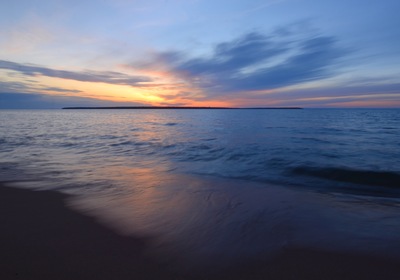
column 152, row 203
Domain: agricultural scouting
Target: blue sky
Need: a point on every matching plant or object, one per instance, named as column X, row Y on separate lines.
column 210, row 53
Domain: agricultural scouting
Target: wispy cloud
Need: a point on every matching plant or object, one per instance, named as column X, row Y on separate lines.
column 58, row 89
column 327, row 95
column 383, row 94
column 31, row 86
column 108, row 77
column 258, row 61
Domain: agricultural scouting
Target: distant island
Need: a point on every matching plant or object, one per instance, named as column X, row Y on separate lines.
column 173, row 107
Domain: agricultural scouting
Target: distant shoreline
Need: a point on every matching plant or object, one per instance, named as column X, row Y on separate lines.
column 175, row 107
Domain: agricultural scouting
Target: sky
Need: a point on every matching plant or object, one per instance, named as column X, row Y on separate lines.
column 236, row 53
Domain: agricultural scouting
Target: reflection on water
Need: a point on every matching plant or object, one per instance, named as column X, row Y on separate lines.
column 199, row 219
column 296, row 147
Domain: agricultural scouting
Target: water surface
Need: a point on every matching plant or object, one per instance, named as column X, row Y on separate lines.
column 212, row 183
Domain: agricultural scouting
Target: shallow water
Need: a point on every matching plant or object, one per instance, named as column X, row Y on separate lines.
column 212, row 183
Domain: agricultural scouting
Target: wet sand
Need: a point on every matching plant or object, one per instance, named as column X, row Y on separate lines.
column 40, row 238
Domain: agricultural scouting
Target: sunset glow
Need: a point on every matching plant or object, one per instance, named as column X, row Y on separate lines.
column 197, row 53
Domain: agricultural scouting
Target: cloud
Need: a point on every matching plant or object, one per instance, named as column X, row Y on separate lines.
column 31, row 87
column 340, row 93
column 58, row 89
column 258, row 61
column 44, row 101
column 85, row 76
column 15, row 86
column 365, row 94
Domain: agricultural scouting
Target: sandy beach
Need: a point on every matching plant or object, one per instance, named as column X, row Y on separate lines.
column 42, row 239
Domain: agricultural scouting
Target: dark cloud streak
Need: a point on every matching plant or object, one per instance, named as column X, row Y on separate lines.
column 259, row 62
column 86, row 76
column 29, row 87
column 241, row 53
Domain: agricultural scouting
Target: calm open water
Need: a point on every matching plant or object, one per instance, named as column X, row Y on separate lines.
column 219, row 183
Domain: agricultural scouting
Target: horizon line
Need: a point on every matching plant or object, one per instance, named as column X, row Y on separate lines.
column 171, row 107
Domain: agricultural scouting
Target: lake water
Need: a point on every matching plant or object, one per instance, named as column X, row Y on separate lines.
column 207, row 184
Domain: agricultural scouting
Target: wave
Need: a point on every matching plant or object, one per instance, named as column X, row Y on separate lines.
column 362, row 177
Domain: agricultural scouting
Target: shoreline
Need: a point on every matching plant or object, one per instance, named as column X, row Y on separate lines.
column 41, row 238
